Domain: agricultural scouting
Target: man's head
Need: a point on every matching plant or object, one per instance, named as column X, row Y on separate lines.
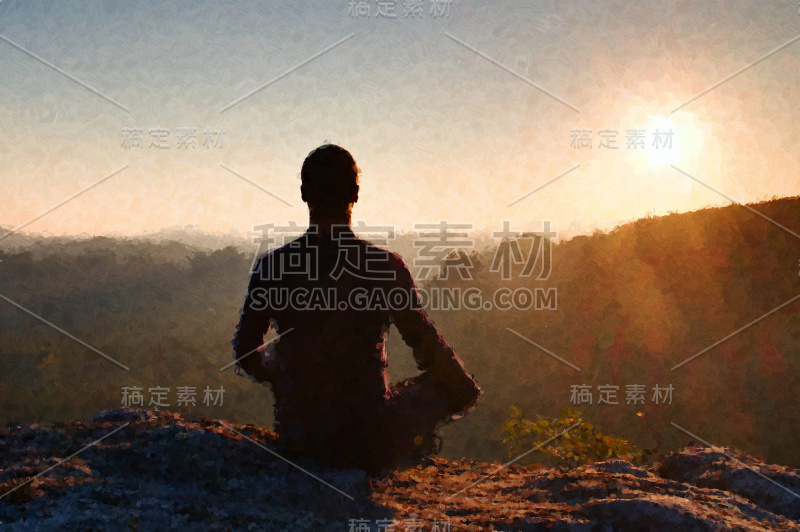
column 329, row 181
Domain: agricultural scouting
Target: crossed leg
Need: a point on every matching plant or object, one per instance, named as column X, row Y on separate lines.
column 401, row 434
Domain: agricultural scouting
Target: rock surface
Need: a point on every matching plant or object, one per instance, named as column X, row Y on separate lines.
column 154, row 470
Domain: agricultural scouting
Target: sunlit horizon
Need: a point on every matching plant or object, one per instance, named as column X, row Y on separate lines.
column 468, row 119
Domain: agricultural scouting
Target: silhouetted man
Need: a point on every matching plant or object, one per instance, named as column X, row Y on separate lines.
column 332, row 297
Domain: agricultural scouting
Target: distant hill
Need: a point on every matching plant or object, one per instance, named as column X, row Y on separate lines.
column 632, row 304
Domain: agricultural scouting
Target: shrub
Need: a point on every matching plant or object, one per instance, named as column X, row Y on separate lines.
column 568, row 440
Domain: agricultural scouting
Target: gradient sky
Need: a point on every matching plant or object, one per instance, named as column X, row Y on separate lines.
column 440, row 132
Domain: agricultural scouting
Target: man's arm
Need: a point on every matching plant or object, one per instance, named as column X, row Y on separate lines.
column 430, row 350
column 254, row 322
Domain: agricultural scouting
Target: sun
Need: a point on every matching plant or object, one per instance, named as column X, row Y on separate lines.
column 663, row 142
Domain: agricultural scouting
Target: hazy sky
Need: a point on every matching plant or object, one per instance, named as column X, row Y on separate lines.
column 440, row 130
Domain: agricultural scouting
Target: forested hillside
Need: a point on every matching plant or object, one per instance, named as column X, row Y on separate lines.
column 632, row 304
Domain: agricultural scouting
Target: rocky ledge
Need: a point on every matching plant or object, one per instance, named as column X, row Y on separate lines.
column 154, row 470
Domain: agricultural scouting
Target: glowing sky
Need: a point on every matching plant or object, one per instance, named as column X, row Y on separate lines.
column 440, row 132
